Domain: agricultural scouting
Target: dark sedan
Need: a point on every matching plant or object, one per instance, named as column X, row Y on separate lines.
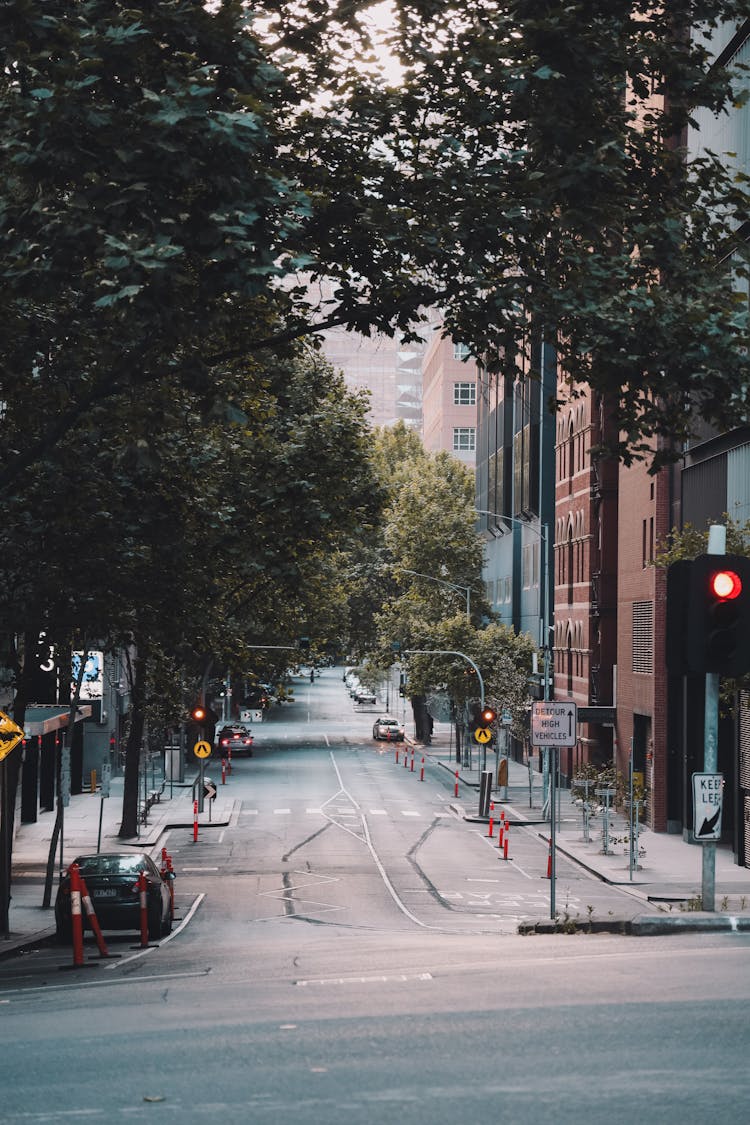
column 235, row 738
column 112, row 882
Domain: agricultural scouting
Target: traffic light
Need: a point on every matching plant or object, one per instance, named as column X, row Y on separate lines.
column 718, row 615
column 199, row 714
column 488, row 715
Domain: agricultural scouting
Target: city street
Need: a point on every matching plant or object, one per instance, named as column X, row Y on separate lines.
column 346, row 949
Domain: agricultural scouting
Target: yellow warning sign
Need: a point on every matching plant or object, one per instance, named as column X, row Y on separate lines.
column 202, row 749
column 10, row 735
column 482, row 734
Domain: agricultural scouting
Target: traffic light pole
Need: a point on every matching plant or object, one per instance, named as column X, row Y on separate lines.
column 717, row 545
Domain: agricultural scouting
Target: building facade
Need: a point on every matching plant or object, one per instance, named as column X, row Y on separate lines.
column 449, row 399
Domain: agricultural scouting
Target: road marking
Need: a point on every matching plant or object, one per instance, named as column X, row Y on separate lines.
column 378, row 812
column 282, row 812
column 199, row 869
column 409, row 812
column 249, row 812
column 365, row 980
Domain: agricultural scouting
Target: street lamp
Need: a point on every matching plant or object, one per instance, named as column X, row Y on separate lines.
column 543, row 532
column 464, row 589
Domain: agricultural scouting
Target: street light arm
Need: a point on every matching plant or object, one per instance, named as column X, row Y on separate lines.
column 444, row 582
column 450, row 652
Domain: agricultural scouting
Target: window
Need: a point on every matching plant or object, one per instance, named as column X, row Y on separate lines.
column 460, row 351
column 464, row 394
column 464, row 439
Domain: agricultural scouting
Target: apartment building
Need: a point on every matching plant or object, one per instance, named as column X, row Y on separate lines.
column 449, row 399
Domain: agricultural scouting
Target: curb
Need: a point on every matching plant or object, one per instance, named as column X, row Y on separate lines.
column 644, row 925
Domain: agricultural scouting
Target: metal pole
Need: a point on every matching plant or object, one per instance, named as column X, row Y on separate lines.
column 717, row 545
column 553, row 869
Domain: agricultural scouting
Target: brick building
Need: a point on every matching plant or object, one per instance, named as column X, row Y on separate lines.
column 585, row 577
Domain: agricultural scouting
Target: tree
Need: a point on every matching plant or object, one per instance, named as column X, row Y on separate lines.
column 537, row 158
column 169, row 165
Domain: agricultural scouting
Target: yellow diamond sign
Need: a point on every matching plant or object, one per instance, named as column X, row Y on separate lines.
column 10, row 735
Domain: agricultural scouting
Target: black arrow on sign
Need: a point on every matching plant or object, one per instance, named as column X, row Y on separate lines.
column 708, row 825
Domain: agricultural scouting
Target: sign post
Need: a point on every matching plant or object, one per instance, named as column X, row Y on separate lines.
column 553, row 724
column 201, row 750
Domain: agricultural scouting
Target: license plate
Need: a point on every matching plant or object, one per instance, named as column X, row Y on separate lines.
column 107, row 892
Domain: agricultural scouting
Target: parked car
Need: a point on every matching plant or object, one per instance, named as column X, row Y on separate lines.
column 236, row 738
column 364, row 695
column 112, row 882
column 388, row 728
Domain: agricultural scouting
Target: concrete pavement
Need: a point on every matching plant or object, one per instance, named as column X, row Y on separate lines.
column 665, row 881
column 88, row 818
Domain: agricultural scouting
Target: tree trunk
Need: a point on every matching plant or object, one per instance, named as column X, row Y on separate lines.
column 11, row 770
column 136, row 670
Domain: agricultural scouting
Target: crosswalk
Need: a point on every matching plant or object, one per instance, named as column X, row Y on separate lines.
column 327, row 812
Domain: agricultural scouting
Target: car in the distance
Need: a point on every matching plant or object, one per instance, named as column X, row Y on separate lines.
column 388, row 728
column 111, row 880
column 234, row 737
column 364, row 695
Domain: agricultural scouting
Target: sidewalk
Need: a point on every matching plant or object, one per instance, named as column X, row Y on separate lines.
column 29, row 922
column 667, row 876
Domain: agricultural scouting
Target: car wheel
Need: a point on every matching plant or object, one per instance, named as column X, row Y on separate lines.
column 166, row 926
column 154, row 922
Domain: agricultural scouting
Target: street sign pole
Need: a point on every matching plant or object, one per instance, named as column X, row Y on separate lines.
column 717, row 545
column 554, row 723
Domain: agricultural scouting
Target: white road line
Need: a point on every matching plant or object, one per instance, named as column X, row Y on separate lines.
column 364, row 980
column 409, row 812
column 378, row 812
column 282, row 812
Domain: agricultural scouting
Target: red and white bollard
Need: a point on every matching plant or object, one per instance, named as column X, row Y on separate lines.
column 229, row 760
column 170, row 876
column 397, row 753
column 412, row 759
column 455, row 788
column 406, row 758
column 76, row 918
column 421, row 772
column 195, row 821
column 501, row 830
column 223, row 771
column 142, row 886
column 549, row 861
column 93, row 920
column 491, row 832
column 506, row 840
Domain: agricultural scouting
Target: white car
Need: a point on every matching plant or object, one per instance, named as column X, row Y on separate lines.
column 388, row 728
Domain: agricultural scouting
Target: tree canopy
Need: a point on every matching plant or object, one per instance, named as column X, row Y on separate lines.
column 177, row 174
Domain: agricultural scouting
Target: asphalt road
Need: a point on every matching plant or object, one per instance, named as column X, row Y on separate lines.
column 347, row 952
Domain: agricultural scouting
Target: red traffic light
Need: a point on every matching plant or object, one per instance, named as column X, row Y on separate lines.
column 725, row 584
column 198, row 714
column 488, row 716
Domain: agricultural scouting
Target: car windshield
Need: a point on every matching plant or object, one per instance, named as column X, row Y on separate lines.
column 112, row 864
